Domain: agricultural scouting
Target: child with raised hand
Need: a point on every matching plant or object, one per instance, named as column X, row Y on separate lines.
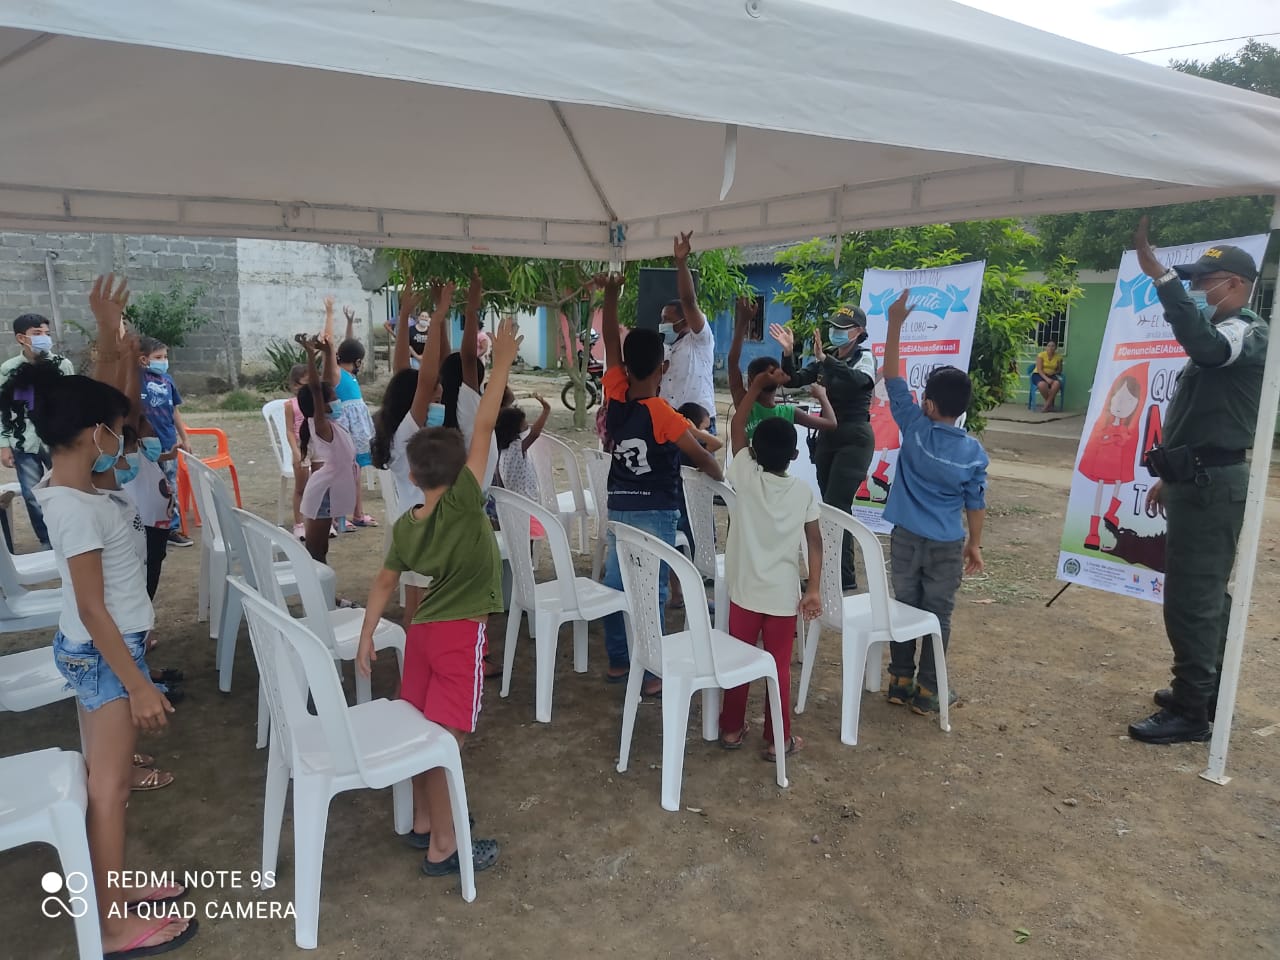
column 100, row 646
column 941, row 473
column 766, row 404
column 514, row 438
column 331, row 487
column 448, row 539
column 647, row 438
column 772, row 515
column 699, row 418
column 293, row 421
column 354, row 412
column 462, row 374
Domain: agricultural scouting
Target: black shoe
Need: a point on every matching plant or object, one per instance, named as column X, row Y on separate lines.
column 848, row 586
column 178, row 539
column 1164, row 698
column 1166, row 726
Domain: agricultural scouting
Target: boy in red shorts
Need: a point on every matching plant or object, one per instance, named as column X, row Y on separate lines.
column 449, row 540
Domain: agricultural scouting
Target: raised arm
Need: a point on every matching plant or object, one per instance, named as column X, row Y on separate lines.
column 409, row 300
column 898, row 313
column 684, row 284
column 536, row 430
column 506, row 344
column 787, row 339
column 351, row 322
column 329, row 350
column 429, row 365
column 320, row 416
column 744, row 313
column 611, row 284
column 107, row 301
column 738, row 427
column 826, row 420
column 471, row 332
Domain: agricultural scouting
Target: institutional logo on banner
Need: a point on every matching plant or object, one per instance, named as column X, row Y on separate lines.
column 939, row 333
column 1111, row 539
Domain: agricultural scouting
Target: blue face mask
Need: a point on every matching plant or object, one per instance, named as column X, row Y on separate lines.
column 1201, row 299
column 41, row 343
column 124, row 476
column 839, row 336
column 158, row 366
column 435, row 415
column 151, row 448
column 668, row 332
column 335, row 408
column 105, row 461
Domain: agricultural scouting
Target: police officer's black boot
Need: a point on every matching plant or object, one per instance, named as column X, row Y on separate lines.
column 1164, row 698
column 1178, row 725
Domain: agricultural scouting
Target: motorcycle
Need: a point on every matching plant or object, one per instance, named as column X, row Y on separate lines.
column 593, row 386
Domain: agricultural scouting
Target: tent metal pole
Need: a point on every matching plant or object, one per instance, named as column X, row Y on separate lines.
column 1247, row 550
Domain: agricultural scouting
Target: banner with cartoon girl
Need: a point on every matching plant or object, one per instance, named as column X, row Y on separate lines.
column 939, row 333
column 1112, row 540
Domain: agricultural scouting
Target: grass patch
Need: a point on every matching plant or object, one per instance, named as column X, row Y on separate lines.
column 241, row 401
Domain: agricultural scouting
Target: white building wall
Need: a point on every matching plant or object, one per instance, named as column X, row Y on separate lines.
column 282, row 289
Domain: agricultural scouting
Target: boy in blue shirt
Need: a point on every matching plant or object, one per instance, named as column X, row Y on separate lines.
column 160, row 402
column 941, row 472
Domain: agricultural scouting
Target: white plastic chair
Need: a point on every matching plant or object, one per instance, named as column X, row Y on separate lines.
column 39, row 566
column 391, row 500
column 30, row 679
column 213, row 552
column 598, row 463
column 700, row 493
column 697, row 658
column 22, row 609
column 865, row 621
column 373, row 745
column 339, row 629
column 216, row 502
column 276, row 413
column 566, row 598
column 43, row 799
column 574, row 504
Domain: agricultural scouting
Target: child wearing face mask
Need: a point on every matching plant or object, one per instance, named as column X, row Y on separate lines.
column 354, row 412
column 334, row 480
column 160, row 403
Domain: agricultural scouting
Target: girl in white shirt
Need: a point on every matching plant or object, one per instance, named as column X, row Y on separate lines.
column 515, row 437
column 100, row 645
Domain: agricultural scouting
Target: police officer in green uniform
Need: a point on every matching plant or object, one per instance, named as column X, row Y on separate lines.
column 1203, row 474
column 842, row 455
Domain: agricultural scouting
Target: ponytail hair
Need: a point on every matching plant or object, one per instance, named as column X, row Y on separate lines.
column 60, row 406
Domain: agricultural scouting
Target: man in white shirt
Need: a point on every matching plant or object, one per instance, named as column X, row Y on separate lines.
column 691, row 371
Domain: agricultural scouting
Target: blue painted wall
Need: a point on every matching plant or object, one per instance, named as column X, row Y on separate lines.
column 767, row 281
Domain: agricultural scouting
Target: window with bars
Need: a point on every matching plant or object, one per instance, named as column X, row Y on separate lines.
column 1055, row 329
column 756, row 330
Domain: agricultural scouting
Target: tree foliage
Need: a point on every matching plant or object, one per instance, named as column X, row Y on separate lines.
column 168, row 315
column 562, row 287
column 1011, row 307
column 1097, row 239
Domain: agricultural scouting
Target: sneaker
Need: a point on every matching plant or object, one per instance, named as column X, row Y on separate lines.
column 901, row 690
column 178, row 539
column 300, row 531
column 925, row 701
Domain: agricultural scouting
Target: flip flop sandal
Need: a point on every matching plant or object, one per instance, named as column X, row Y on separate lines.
column 135, row 951
column 153, row 780
column 420, row 841
column 492, row 671
column 620, row 678
column 174, row 694
column 365, row 521
column 793, row 744
column 143, row 760
column 735, row 744
column 167, row 675
column 172, row 894
column 652, row 694
column 484, row 854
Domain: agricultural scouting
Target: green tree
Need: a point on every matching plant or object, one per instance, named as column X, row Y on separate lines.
column 1011, row 307
column 562, row 287
column 168, row 315
column 1097, row 239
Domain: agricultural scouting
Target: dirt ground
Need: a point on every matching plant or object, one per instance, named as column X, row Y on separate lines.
column 1035, row 813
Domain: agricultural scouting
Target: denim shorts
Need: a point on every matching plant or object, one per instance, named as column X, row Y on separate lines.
column 87, row 672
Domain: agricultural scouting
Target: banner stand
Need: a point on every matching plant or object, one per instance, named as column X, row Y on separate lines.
column 1247, row 548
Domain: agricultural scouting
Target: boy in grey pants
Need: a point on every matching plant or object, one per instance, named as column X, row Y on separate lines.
column 941, row 472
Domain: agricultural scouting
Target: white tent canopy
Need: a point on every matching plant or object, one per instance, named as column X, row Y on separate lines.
column 529, row 127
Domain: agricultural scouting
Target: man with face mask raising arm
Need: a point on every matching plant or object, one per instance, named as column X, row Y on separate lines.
column 690, row 376
column 23, row 451
column 1203, row 475
column 842, row 455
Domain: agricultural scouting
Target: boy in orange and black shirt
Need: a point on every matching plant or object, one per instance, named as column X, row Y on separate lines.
column 646, row 437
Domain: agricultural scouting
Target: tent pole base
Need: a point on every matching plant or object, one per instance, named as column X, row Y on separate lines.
column 1221, row 779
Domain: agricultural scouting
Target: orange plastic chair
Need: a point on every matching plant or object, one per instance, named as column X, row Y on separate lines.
column 220, row 459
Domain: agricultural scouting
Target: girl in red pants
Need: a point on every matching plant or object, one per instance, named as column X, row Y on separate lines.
column 772, row 514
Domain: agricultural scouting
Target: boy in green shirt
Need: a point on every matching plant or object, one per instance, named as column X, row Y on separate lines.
column 449, row 540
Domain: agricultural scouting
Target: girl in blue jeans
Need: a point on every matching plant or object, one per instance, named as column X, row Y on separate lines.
column 101, row 640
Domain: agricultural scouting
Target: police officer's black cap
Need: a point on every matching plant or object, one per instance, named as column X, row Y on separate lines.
column 848, row 316
column 1220, row 259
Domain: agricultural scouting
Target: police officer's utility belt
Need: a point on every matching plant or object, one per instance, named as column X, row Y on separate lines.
column 1186, row 464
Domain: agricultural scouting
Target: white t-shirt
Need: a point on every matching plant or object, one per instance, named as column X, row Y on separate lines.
column 468, row 407
column 766, row 529
column 407, row 492
column 150, row 493
column 517, row 472
column 81, row 523
column 691, row 376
